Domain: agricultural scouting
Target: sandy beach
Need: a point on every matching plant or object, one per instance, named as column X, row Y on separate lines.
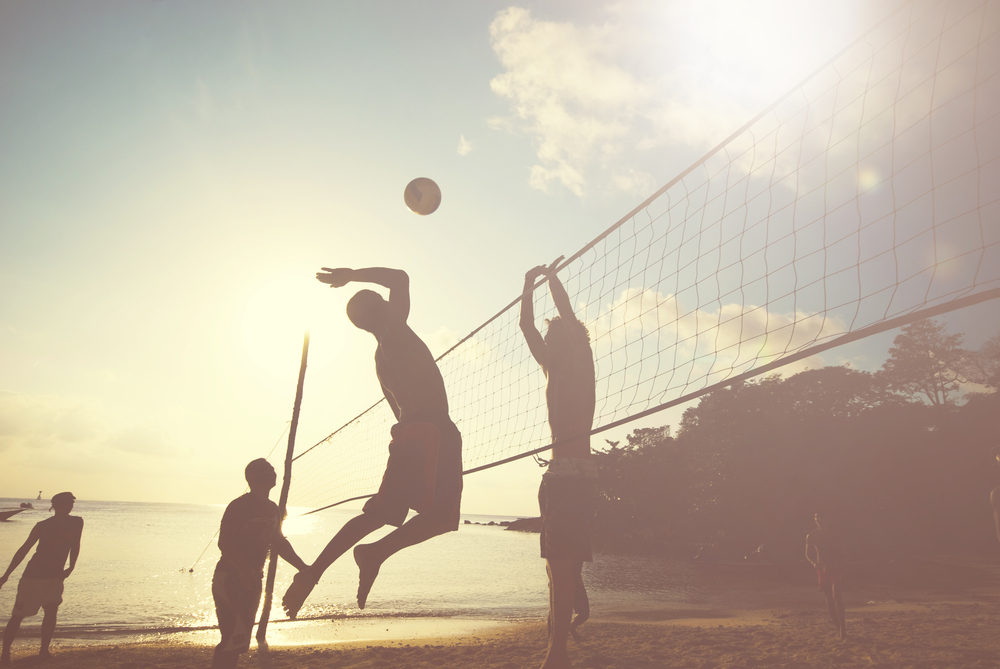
column 890, row 626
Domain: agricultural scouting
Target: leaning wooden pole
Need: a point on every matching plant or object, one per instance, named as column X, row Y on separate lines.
column 286, row 483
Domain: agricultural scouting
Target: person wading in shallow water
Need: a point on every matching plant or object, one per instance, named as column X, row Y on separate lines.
column 41, row 584
column 565, row 497
column 829, row 565
column 424, row 471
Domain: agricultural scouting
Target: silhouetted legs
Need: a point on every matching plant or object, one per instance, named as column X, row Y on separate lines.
column 562, row 594
column 48, row 628
column 9, row 633
column 836, row 605
column 14, row 626
column 370, row 557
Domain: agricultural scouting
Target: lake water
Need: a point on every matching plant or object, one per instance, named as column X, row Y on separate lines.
column 133, row 573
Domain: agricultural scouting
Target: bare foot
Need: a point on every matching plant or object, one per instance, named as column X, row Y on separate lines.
column 302, row 584
column 45, row 655
column 368, row 567
column 5, row 660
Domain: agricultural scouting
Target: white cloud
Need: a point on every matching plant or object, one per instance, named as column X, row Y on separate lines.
column 597, row 99
column 141, row 440
column 464, row 146
column 715, row 344
column 566, row 91
column 36, row 422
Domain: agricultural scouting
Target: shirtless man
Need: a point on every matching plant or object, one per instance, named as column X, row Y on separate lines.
column 424, row 471
column 41, row 584
column 829, row 565
column 250, row 527
column 566, row 494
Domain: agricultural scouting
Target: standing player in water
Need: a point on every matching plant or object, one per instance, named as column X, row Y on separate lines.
column 829, row 565
column 424, row 471
column 565, row 497
column 41, row 584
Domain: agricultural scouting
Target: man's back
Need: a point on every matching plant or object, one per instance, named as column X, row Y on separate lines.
column 249, row 525
column 56, row 537
column 570, row 392
column 407, row 371
column 827, row 545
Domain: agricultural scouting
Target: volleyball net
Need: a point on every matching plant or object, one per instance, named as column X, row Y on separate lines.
column 864, row 199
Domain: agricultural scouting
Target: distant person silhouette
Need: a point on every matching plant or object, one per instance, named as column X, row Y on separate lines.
column 566, row 494
column 250, row 527
column 41, row 584
column 995, row 493
column 829, row 565
column 424, row 470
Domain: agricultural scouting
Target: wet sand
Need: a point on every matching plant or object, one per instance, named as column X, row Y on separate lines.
column 958, row 626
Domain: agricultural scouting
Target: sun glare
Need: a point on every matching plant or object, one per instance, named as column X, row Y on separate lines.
column 277, row 311
column 758, row 50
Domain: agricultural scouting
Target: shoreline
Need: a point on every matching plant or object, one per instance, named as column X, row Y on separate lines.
column 925, row 622
column 886, row 635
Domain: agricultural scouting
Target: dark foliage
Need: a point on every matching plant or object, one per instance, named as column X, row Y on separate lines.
column 898, row 473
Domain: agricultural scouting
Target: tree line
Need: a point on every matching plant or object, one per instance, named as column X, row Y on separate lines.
column 899, row 459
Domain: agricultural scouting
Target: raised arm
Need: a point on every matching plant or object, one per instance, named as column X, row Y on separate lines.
column 558, row 292
column 536, row 344
column 396, row 280
column 20, row 554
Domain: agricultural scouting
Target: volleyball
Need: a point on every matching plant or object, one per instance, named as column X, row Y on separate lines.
column 422, row 196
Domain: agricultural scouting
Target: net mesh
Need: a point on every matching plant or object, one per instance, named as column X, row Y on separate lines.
column 867, row 194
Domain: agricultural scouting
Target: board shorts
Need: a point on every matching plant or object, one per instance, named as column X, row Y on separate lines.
column 424, row 473
column 37, row 593
column 235, row 607
column 566, row 503
column 828, row 577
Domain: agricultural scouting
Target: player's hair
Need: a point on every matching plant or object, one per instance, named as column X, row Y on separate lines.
column 253, row 470
column 568, row 325
column 363, row 309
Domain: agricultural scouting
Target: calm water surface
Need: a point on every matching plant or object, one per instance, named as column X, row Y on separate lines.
column 133, row 572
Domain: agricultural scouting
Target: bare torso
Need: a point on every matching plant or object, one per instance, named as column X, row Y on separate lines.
column 827, row 547
column 571, row 397
column 409, row 376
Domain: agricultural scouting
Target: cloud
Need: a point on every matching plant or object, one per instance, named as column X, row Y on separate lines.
column 464, row 146
column 566, row 91
column 702, row 343
column 71, row 427
column 141, row 440
column 597, row 98
column 38, row 422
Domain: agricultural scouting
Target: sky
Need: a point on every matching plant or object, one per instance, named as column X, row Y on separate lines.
column 173, row 174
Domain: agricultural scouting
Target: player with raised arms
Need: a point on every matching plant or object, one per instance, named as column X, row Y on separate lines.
column 424, row 471
column 565, row 497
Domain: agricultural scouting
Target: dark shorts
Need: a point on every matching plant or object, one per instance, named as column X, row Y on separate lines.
column 567, row 507
column 236, row 608
column 828, row 577
column 424, row 473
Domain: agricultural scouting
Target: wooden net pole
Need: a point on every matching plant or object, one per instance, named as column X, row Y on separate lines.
column 272, row 567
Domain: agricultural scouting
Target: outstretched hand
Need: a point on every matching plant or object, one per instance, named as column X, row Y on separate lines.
column 3, row 579
column 535, row 272
column 335, row 277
